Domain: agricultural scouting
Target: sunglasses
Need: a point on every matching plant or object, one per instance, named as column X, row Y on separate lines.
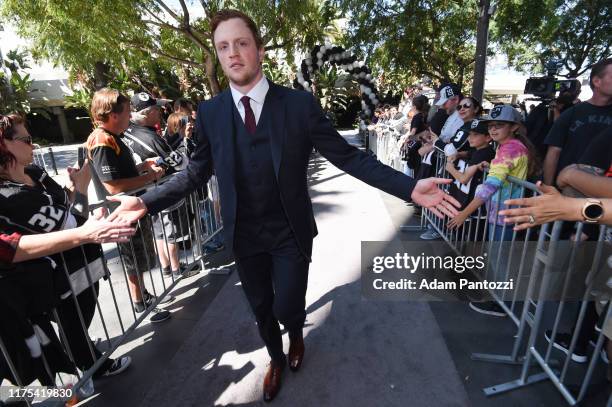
column 26, row 139
column 497, row 125
column 465, row 105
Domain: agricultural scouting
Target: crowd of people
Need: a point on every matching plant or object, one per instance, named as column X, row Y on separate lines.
column 49, row 240
column 564, row 145
column 45, row 238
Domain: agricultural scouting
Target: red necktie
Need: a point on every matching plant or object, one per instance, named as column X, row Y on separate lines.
column 249, row 116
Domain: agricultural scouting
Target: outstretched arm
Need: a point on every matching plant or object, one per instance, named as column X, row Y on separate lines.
column 548, row 207
column 587, row 183
column 93, row 231
column 371, row 171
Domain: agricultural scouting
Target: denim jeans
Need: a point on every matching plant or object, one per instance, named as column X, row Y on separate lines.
column 498, row 234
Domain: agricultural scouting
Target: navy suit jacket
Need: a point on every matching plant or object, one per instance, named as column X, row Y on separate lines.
column 297, row 124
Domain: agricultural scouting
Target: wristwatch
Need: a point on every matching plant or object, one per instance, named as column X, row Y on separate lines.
column 592, row 210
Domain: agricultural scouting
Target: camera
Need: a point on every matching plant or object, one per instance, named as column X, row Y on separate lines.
column 546, row 87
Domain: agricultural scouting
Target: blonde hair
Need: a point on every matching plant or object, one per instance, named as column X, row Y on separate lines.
column 107, row 101
column 174, row 122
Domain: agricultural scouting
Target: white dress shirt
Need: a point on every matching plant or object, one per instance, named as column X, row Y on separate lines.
column 257, row 95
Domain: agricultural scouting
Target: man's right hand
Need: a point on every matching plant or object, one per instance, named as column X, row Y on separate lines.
column 157, row 172
column 131, row 209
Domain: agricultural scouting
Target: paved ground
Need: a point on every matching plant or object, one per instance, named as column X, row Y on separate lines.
column 359, row 353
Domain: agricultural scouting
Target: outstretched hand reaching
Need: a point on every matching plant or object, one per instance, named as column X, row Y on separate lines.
column 131, row 209
column 428, row 194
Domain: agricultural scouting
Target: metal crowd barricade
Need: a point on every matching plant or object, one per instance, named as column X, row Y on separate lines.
column 387, row 148
column 531, row 266
column 197, row 221
column 45, row 159
column 530, row 259
column 597, row 288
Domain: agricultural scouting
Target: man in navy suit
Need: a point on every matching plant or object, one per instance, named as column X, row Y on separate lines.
column 259, row 137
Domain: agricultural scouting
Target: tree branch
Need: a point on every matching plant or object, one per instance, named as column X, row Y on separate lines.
column 164, row 25
column 185, row 13
column 169, row 10
column 277, row 46
column 164, row 55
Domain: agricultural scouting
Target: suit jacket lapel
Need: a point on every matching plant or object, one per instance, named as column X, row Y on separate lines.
column 276, row 124
column 226, row 132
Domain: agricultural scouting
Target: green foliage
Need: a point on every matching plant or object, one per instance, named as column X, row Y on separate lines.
column 415, row 37
column 80, row 98
column 531, row 32
column 15, row 83
column 334, row 90
column 150, row 41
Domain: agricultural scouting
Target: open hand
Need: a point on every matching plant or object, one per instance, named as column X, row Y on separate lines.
column 99, row 230
column 428, row 194
column 457, row 220
column 537, row 210
column 131, row 209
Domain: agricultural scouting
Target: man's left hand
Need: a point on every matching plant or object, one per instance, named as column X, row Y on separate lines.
column 427, row 194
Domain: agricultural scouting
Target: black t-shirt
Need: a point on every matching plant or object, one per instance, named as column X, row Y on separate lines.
column 599, row 151
column 538, row 126
column 464, row 193
column 437, row 121
column 418, row 123
column 574, row 130
column 110, row 158
column 173, row 140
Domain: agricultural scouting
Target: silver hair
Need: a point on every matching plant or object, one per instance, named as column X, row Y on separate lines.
column 141, row 116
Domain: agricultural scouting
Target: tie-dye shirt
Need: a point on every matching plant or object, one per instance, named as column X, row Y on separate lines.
column 511, row 159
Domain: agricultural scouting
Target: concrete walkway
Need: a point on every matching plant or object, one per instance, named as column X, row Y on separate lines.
column 358, row 352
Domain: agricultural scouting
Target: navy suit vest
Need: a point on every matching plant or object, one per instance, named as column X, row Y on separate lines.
column 261, row 222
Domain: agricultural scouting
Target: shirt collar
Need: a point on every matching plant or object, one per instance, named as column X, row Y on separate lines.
column 257, row 94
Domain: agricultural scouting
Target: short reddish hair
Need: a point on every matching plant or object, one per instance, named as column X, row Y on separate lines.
column 107, row 101
column 8, row 129
column 228, row 14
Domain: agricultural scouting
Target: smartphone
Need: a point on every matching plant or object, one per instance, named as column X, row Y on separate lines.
column 81, row 156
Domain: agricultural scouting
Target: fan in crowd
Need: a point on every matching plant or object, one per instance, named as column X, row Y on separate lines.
column 45, row 239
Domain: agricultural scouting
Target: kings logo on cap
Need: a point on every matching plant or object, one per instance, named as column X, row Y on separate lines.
column 496, row 111
column 474, row 124
column 143, row 96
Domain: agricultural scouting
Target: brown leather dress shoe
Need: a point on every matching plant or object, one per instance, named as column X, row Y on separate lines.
column 296, row 353
column 272, row 381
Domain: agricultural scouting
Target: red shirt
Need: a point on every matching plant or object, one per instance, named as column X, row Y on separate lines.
column 8, row 247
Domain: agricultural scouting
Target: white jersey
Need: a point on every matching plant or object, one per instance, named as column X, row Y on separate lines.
column 452, row 124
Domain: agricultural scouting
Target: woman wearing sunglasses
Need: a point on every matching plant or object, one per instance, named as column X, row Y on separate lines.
column 469, row 108
column 48, row 239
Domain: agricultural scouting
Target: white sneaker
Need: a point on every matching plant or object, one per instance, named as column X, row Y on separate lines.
column 430, row 234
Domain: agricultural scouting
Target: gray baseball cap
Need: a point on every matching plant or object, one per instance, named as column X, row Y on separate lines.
column 503, row 113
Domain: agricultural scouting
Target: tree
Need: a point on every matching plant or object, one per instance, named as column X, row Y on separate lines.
column 531, row 32
column 142, row 36
column 15, row 83
column 434, row 38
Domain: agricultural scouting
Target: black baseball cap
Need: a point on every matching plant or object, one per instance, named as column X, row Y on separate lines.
column 478, row 126
column 141, row 101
